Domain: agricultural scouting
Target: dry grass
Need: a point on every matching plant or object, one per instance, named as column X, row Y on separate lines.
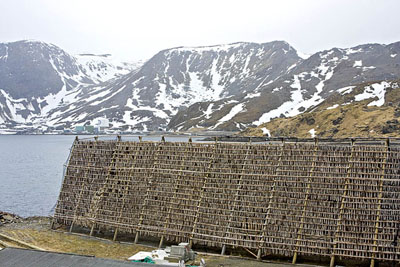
column 353, row 120
column 37, row 232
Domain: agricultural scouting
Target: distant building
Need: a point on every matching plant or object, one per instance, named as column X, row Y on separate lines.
column 89, row 129
column 101, row 125
column 79, row 129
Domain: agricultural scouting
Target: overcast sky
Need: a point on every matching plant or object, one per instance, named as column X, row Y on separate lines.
column 133, row 29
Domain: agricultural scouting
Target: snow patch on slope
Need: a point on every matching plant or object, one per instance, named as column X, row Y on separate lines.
column 266, row 131
column 101, row 68
column 374, row 90
column 332, row 107
column 312, row 133
column 345, row 90
column 232, row 113
column 290, row 108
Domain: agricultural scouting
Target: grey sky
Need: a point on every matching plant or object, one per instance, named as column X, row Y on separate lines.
column 133, row 29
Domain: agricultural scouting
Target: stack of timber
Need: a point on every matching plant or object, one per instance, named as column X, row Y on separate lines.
column 334, row 199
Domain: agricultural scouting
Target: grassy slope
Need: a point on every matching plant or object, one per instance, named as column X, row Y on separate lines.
column 36, row 231
column 356, row 119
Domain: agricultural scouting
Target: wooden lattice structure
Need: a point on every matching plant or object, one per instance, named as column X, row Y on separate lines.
column 333, row 199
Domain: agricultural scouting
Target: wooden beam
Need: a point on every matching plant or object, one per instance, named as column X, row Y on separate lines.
column 378, row 215
column 270, row 199
column 306, row 198
column 207, row 174
column 66, row 165
column 100, row 194
column 236, row 198
column 342, row 203
column 138, row 228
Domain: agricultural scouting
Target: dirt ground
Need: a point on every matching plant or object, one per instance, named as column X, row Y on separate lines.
column 36, row 231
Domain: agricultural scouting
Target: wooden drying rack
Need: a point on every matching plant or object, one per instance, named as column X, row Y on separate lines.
column 338, row 198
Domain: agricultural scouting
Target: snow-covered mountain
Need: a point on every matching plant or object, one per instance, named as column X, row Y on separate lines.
column 223, row 87
column 147, row 99
column 305, row 86
column 36, row 78
column 101, row 68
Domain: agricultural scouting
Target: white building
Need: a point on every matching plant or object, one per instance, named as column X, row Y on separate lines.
column 101, row 124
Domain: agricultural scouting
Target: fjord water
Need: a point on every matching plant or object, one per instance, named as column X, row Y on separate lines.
column 31, row 168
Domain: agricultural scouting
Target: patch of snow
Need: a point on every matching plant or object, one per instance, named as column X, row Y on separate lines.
column 312, row 132
column 357, row 63
column 14, row 106
column 266, row 132
column 246, row 69
column 374, row 90
column 53, row 101
column 234, row 111
column 201, row 49
column 347, row 103
column 332, row 107
column 215, row 80
column 197, row 90
column 326, row 54
column 252, row 95
column 291, row 67
column 345, row 90
column 291, row 107
column 232, row 58
column 302, row 55
column 5, row 55
column 156, row 112
column 230, row 102
column 209, row 111
column 101, row 68
column 393, row 55
column 353, row 51
column 288, row 107
column 369, row 68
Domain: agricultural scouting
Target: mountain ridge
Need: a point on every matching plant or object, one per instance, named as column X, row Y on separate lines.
column 219, row 87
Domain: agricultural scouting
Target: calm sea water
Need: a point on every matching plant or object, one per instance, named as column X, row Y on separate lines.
column 31, row 168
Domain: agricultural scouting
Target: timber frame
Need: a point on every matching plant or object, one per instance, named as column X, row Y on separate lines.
column 332, row 198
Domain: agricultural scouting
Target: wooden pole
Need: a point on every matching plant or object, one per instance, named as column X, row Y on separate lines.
column 270, row 199
column 223, row 249
column 98, row 197
column 159, row 146
column 207, row 174
column 76, row 140
column 124, row 196
column 378, row 215
column 77, row 202
column 115, row 234
column 175, row 190
column 232, row 210
column 303, row 214
column 342, row 203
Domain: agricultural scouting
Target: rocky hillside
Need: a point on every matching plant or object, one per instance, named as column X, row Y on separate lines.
column 147, row 99
column 307, row 84
column 224, row 87
column 36, row 78
column 367, row 110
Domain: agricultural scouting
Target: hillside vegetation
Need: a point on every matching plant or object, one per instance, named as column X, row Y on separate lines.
column 342, row 116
